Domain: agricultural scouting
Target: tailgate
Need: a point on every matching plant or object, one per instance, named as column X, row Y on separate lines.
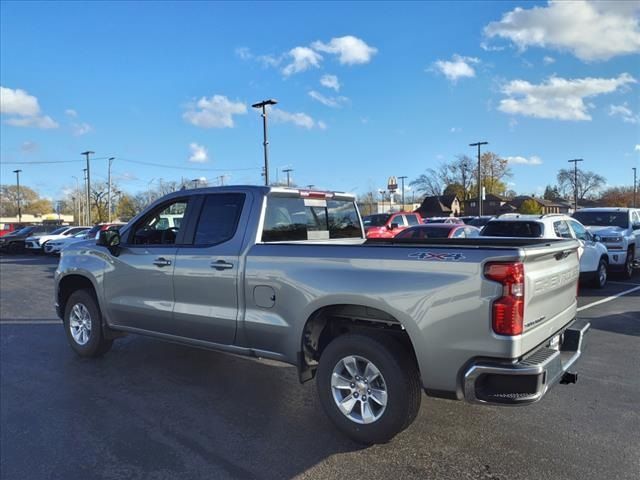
column 551, row 287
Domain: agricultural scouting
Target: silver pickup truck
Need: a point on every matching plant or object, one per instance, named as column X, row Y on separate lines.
column 287, row 274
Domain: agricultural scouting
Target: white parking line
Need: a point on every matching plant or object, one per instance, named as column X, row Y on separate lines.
column 608, row 299
column 30, row 322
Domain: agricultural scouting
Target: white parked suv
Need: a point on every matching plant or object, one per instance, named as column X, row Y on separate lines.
column 37, row 243
column 54, row 247
column 619, row 230
column 594, row 262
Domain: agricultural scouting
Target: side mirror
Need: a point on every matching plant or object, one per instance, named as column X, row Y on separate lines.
column 635, row 226
column 109, row 239
column 393, row 226
column 597, row 238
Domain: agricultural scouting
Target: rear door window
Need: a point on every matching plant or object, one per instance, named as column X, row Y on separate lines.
column 412, row 220
column 291, row 219
column 218, row 219
column 561, row 229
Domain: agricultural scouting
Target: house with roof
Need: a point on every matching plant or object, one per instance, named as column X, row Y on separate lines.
column 491, row 205
column 439, row 206
column 546, row 206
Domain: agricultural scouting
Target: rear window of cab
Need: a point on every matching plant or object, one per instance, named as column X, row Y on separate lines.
column 512, row 229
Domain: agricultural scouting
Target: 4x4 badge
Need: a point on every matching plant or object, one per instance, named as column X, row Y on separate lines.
column 440, row 256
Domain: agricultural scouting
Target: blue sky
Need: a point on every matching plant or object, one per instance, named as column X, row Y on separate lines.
column 415, row 83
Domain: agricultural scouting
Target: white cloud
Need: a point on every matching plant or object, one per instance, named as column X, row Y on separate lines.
column 624, row 112
column 244, row 53
column 455, row 130
column 23, row 109
column 547, row 60
column 558, row 98
column 330, row 81
column 29, row 146
column 589, row 30
column 70, row 112
column 302, row 58
column 333, row 102
column 80, row 129
column 458, row 67
column 518, row 160
column 214, row 112
column 350, row 50
column 298, row 119
column 637, row 147
column 199, row 153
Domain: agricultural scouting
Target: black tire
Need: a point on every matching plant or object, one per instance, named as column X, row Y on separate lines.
column 627, row 272
column 600, row 279
column 96, row 345
column 401, row 378
column 15, row 248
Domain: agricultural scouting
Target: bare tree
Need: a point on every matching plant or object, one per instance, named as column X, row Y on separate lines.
column 589, row 183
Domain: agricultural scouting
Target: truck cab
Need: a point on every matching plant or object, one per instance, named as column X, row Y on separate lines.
column 388, row 225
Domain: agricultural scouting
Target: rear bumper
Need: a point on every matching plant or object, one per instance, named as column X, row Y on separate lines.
column 528, row 380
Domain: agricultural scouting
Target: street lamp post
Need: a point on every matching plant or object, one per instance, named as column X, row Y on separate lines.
column 265, row 142
column 288, row 171
column 85, row 219
column 111, row 159
column 17, row 172
column 86, row 154
column 478, row 144
column 635, row 187
column 575, row 182
column 402, row 181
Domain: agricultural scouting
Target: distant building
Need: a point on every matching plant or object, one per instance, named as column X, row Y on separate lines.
column 491, row 205
column 546, row 206
column 439, row 206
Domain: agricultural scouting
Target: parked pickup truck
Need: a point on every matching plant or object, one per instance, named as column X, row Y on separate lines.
column 287, row 274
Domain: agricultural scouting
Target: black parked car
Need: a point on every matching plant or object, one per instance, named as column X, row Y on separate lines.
column 14, row 242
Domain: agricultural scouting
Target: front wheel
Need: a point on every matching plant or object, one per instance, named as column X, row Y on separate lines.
column 369, row 387
column 628, row 264
column 83, row 325
column 601, row 274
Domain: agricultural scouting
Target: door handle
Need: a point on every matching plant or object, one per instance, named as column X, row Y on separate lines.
column 161, row 262
column 221, row 265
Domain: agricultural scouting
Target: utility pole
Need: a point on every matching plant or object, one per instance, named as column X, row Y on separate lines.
column 86, row 197
column 575, row 182
column 86, row 154
column 76, row 203
column 478, row 144
column 17, row 172
column 265, row 142
column 111, row 159
column 402, row 182
column 288, row 171
column 634, row 187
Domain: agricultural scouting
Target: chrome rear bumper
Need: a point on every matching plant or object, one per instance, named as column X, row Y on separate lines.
column 528, row 380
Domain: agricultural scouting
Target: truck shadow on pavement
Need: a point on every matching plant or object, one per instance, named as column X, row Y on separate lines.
column 163, row 410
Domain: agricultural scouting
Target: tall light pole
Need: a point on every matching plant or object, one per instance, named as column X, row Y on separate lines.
column 85, row 220
column 111, row 159
column 288, row 171
column 402, row 182
column 265, row 142
column 86, row 154
column 575, row 182
column 17, row 172
column 635, row 187
column 478, row 144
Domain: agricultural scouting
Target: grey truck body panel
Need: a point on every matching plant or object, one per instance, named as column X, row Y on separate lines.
column 260, row 304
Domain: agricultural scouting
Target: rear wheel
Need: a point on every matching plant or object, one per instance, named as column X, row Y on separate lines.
column 369, row 387
column 15, row 247
column 600, row 279
column 83, row 325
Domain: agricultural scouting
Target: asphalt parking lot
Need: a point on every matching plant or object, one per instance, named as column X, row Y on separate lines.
column 154, row 410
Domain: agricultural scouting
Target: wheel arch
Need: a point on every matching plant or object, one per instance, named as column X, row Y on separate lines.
column 330, row 321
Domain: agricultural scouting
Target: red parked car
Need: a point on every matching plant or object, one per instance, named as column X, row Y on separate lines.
column 440, row 230
column 387, row 225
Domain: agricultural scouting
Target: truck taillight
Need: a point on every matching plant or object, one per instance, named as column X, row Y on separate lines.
column 508, row 310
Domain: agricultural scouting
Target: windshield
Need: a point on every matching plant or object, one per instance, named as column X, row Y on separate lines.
column 81, row 233
column 603, row 219
column 425, row 232
column 512, row 229
column 23, row 231
column 58, row 231
column 378, row 220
